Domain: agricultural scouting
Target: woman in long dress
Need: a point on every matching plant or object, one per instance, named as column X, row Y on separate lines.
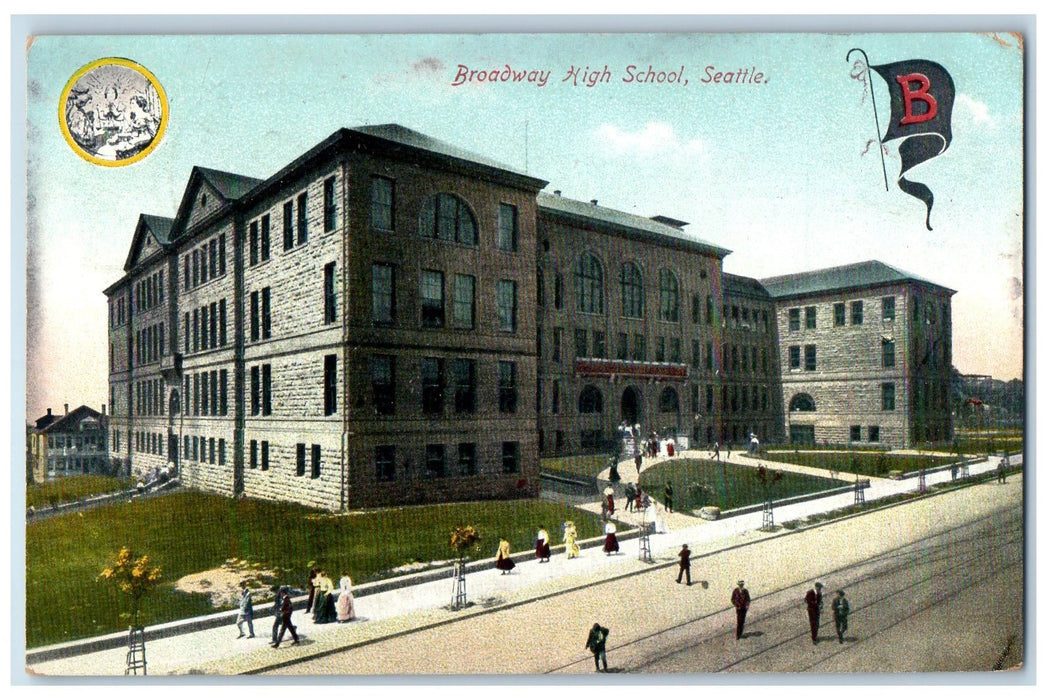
column 570, row 538
column 503, row 562
column 323, row 607
column 610, row 540
column 345, row 608
column 541, row 545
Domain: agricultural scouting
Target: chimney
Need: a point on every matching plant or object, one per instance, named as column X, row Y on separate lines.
column 49, row 411
column 67, row 409
column 593, row 202
column 557, row 192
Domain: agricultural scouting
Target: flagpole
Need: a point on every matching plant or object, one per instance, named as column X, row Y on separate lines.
column 872, row 93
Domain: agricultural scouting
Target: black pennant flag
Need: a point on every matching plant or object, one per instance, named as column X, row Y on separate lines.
column 922, row 94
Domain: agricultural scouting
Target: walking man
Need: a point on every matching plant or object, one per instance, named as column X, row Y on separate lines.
column 1001, row 471
column 278, row 602
column 285, row 621
column 715, row 454
column 841, row 609
column 246, row 613
column 597, row 643
column 740, row 600
column 667, row 497
column 685, row 565
column 814, row 609
column 630, row 494
column 313, row 573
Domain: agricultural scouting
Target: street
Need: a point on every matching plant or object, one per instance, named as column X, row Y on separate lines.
column 934, row 585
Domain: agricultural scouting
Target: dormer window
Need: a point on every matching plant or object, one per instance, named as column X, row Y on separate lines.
column 203, row 200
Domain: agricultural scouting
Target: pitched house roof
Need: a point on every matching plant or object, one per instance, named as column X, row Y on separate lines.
column 870, row 273
column 630, row 225
column 70, row 421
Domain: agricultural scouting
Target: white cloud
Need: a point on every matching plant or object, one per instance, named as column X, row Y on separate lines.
column 653, row 139
column 978, row 111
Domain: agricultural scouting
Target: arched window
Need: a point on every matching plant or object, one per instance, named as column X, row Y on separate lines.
column 632, row 291
column 447, row 217
column 590, row 400
column 669, row 401
column 588, row 284
column 668, row 296
column 801, row 402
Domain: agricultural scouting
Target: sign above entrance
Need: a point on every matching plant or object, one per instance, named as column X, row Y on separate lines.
column 631, row 370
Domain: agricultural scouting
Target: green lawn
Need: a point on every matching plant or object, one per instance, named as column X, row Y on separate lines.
column 866, row 464
column 974, row 443
column 581, row 465
column 743, row 484
column 71, row 488
column 190, row 532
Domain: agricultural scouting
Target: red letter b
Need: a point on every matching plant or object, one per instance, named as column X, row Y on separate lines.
column 920, row 93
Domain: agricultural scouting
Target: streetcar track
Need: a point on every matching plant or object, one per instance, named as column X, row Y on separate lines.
column 917, row 551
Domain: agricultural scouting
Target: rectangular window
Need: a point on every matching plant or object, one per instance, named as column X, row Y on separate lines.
column 640, row 347
column 464, row 301
column 256, row 390
column 196, row 394
column 223, row 337
column 254, row 316
column 253, row 242
column 267, row 390
column 432, row 299
column 709, row 356
column 810, row 358
column 330, row 312
column 467, row 459
column 659, row 349
column 382, row 199
column 794, row 357
column 212, row 257
column 581, row 343
column 315, row 462
column 599, row 344
column 556, row 396
column 299, row 459
column 434, row 461
column 810, row 317
column 303, row 218
column 675, row 351
column 507, row 387
column 794, row 320
column 185, row 448
column 223, row 392
column 265, row 455
column 254, row 454
column 557, row 342
column 221, row 254
column 558, row 291
column 507, row 306
column 383, row 391
column 510, row 457
column 887, row 397
column 214, row 392
column 330, row 208
column 185, row 284
column 708, row 310
column 213, row 323
column 839, row 314
column 267, row 321
column 221, row 451
column 887, row 305
column 210, row 450
column 264, row 243
column 196, row 330
column 385, row 462
column 888, row 353
column 204, row 328
column 383, row 293
column 856, row 313
column 432, row 370
column 330, row 384
column 464, row 373
column 623, row 346
column 874, row 433
column 507, row 231
column 288, row 225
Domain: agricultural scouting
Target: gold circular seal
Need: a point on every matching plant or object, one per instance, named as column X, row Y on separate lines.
column 113, row 112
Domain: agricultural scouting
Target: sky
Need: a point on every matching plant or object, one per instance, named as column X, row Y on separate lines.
column 779, row 172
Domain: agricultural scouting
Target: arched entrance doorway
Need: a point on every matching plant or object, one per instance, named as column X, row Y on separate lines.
column 632, row 406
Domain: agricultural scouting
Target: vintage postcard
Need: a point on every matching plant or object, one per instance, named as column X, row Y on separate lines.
column 522, row 354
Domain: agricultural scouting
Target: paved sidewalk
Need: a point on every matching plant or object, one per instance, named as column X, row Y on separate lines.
column 394, row 612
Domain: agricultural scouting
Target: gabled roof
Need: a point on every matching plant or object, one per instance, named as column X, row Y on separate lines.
column 631, row 225
column 71, row 420
column 870, row 273
column 736, row 285
column 148, row 224
column 229, row 186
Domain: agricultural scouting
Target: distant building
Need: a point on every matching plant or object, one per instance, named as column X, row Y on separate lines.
column 73, row 443
column 389, row 319
column 866, row 356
